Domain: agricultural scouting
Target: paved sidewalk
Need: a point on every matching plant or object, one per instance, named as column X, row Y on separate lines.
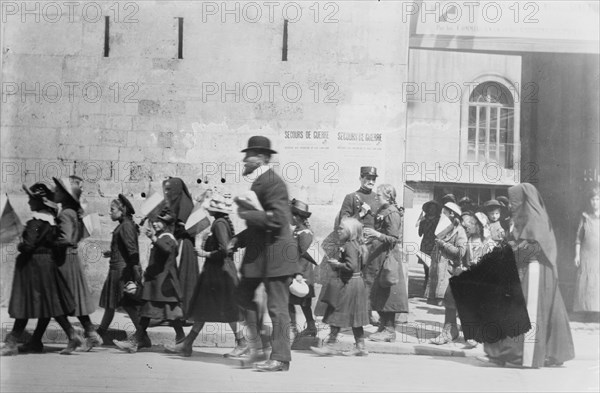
column 425, row 321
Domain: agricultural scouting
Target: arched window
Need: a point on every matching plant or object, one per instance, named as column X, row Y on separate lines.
column 491, row 128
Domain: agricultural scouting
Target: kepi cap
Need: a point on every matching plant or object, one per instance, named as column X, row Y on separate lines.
column 368, row 171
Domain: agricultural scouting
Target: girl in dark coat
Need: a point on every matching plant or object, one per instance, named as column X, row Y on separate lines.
column 39, row 290
column 70, row 233
column 161, row 291
column 385, row 242
column 304, row 237
column 124, row 265
column 347, row 304
column 214, row 296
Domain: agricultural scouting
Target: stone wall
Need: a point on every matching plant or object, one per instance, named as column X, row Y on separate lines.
column 127, row 121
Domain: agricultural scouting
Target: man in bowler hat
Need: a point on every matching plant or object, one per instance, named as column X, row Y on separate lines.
column 269, row 257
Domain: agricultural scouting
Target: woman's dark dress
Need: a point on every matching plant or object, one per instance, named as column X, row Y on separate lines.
column 161, row 292
column 124, row 261
column 70, row 232
column 214, row 297
column 351, row 308
column 38, row 289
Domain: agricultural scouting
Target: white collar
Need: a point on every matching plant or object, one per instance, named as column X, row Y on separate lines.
column 169, row 234
column 49, row 218
column 259, row 171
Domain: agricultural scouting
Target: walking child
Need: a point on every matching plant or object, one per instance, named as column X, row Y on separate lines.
column 346, row 294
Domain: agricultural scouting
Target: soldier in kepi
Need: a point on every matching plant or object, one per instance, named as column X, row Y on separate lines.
column 362, row 205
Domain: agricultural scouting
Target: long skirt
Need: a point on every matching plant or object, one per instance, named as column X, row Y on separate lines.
column 587, row 287
column 112, row 295
column 38, row 289
column 550, row 332
column 187, row 273
column 214, row 298
column 73, row 273
column 351, row 307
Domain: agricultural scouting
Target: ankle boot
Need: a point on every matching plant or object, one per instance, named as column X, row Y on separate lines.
column 32, row 346
column 449, row 334
column 184, row 347
column 75, row 342
column 130, row 345
column 358, row 350
column 384, row 334
column 241, row 347
column 328, row 348
column 10, row 346
column 310, row 331
column 92, row 339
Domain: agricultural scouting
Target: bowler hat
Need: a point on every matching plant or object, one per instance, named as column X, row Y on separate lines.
column 42, row 192
column 71, row 189
column 128, row 206
column 368, row 171
column 454, row 207
column 260, row 143
column 300, row 208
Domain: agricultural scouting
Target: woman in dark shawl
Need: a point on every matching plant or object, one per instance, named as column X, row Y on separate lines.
column 549, row 342
column 179, row 200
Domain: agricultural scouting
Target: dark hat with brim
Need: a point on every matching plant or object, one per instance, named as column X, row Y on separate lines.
column 260, row 143
column 430, row 203
column 503, row 200
column 449, row 198
column 300, row 208
column 128, row 206
column 493, row 204
column 368, row 171
column 43, row 193
column 73, row 191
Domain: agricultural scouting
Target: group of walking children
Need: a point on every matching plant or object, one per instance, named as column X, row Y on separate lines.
column 49, row 282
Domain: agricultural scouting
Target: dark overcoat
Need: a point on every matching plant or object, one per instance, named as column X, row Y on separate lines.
column 271, row 250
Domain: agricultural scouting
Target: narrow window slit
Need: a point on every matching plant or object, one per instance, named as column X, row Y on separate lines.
column 180, row 38
column 106, row 35
column 284, row 49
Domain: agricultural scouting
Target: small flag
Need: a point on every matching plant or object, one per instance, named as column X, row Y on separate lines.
column 91, row 225
column 10, row 224
column 443, row 227
column 151, row 203
column 197, row 221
